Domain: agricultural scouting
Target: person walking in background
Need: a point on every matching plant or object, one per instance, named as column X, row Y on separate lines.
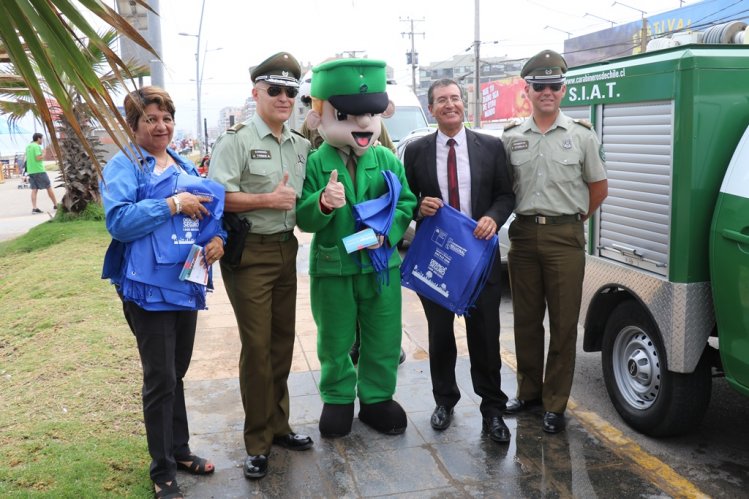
column 559, row 180
column 160, row 309
column 469, row 170
column 38, row 178
column 261, row 164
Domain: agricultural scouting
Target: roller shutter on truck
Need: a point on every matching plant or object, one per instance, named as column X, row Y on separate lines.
column 635, row 222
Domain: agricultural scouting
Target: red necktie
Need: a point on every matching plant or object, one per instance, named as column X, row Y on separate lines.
column 452, row 176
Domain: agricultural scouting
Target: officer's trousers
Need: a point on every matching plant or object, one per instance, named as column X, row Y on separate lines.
column 547, row 266
column 262, row 291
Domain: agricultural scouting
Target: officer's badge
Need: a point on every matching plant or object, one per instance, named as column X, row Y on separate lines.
column 567, row 144
column 260, row 154
column 520, row 145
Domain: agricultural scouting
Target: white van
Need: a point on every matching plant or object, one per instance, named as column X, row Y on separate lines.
column 408, row 116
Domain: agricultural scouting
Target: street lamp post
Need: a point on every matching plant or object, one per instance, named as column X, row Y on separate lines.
column 199, row 120
column 644, row 29
column 560, row 30
column 588, row 14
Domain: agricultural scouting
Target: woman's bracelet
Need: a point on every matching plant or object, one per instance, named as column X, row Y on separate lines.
column 177, row 205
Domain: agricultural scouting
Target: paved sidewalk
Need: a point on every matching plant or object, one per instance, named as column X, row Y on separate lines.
column 459, row 462
column 15, row 217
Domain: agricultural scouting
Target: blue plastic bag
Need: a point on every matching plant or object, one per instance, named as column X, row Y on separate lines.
column 446, row 263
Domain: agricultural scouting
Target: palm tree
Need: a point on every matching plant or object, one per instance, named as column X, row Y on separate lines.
column 78, row 170
column 44, row 43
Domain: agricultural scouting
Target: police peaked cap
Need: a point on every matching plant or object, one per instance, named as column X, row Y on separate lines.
column 353, row 86
column 545, row 67
column 279, row 69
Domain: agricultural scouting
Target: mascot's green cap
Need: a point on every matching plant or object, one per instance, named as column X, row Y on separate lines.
column 353, row 86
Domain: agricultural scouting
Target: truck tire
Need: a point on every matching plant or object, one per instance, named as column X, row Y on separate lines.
column 650, row 398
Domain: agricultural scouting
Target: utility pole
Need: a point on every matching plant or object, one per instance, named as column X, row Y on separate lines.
column 412, row 57
column 477, row 72
column 154, row 34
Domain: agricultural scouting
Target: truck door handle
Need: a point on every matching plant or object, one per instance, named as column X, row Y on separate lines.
column 627, row 251
column 735, row 236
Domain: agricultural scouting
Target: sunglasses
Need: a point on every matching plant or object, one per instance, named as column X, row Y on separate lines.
column 275, row 91
column 539, row 87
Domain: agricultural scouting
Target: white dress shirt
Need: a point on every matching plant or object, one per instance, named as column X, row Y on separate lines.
column 464, row 168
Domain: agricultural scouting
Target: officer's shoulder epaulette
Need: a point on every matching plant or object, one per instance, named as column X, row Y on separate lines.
column 587, row 124
column 298, row 133
column 512, row 124
column 236, row 128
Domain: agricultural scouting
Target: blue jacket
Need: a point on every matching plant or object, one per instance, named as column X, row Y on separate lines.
column 150, row 245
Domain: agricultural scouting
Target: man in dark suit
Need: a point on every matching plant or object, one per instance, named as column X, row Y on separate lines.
column 467, row 170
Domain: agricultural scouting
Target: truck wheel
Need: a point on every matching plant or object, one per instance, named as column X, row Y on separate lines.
column 649, row 397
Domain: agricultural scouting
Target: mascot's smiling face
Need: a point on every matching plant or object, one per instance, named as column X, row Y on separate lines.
column 342, row 130
column 349, row 99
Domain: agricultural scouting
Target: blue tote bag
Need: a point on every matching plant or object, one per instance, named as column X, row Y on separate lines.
column 446, row 263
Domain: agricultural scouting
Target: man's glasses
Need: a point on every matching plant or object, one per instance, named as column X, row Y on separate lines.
column 453, row 99
column 275, row 91
column 539, row 87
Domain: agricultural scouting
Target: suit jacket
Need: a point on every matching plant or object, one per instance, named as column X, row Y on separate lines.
column 491, row 185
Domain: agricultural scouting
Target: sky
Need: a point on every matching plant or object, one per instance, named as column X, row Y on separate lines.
column 245, row 32
column 237, row 34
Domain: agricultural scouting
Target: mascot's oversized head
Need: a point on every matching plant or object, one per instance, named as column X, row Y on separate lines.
column 348, row 100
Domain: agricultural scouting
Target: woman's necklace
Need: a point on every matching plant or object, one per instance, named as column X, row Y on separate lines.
column 161, row 166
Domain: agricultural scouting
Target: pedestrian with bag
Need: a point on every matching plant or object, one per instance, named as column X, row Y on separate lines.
column 468, row 170
column 149, row 204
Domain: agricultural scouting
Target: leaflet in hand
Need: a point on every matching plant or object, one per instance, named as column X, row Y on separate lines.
column 195, row 269
column 360, row 240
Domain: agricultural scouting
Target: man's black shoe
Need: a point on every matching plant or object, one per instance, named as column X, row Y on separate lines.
column 256, row 466
column 515, row 406
column 402, row 358
column 553, row 422
column 441, row 417
column 497, row 429
column 293, row 441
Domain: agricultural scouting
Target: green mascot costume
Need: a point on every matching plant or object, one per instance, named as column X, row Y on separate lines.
column 348, row 98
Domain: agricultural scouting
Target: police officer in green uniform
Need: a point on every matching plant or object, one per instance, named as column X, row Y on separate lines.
column 261, row 164
column 559, row 179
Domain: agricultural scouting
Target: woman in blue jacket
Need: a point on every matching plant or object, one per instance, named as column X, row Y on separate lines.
column 157, row 207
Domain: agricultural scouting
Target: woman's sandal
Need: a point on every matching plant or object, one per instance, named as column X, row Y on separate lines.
column 168, row 491
column 197, row 465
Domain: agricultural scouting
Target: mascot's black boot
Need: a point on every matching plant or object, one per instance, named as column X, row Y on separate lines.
column 336, row 419
column 387, row 417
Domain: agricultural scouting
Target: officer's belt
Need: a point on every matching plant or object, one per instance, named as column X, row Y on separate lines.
column 546, row 220
column 278, row 237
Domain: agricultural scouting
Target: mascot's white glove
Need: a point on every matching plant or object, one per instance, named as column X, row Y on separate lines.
column 334, row 196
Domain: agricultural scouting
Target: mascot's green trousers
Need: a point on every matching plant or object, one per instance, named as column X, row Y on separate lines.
column 344, row 289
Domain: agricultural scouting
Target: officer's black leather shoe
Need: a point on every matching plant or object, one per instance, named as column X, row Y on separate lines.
column 515, row 406
column 402, row 358
column 256, row 466
column 441, row 417
column 497, row 429
column 553, row 422
column 292, row 441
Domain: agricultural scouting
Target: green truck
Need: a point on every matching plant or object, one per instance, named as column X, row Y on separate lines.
column 666, row 292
